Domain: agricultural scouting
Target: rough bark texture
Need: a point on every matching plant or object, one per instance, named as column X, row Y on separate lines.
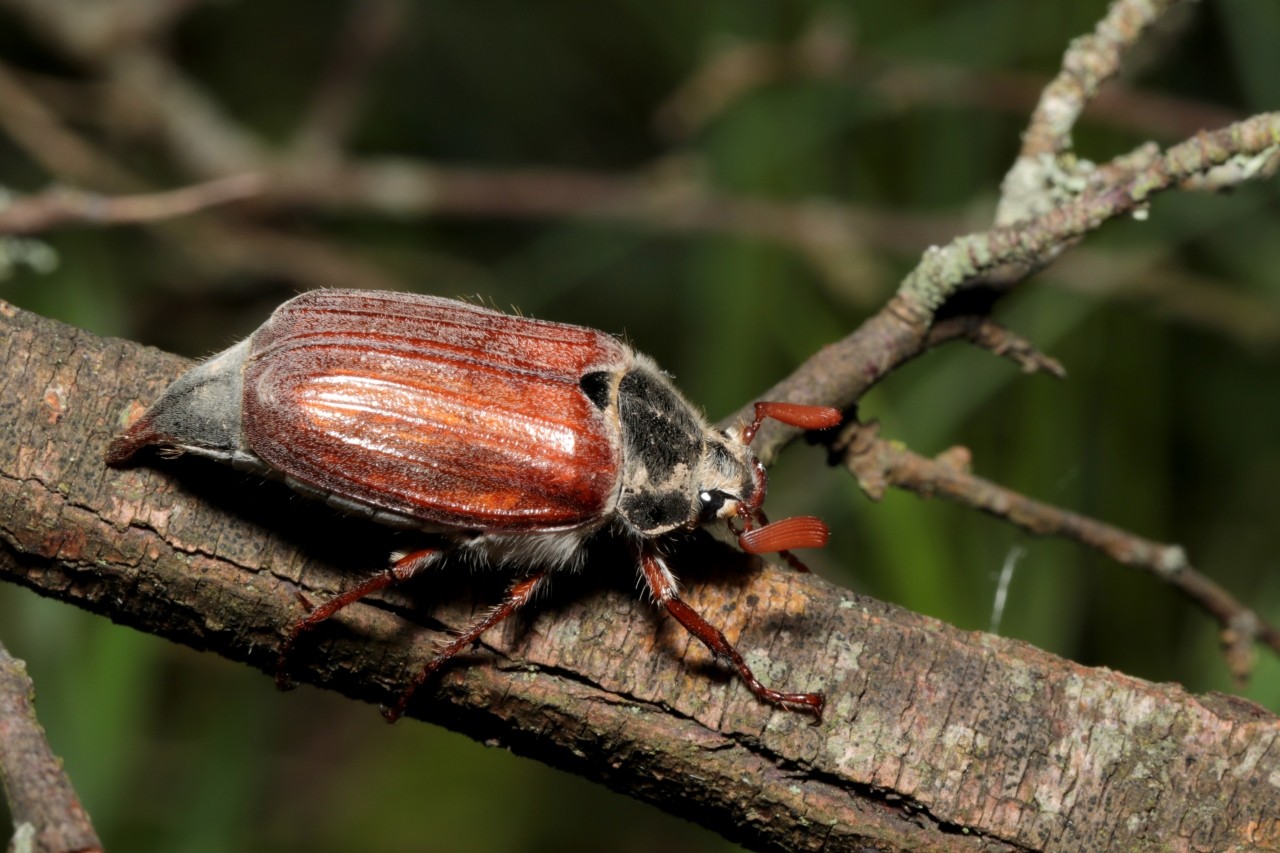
column 934, row 738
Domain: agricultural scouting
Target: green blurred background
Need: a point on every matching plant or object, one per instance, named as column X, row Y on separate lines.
column 905, row 112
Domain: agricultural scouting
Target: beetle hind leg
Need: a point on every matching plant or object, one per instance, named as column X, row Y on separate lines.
column 518, row 595
column 399, row 571
column 663, row 586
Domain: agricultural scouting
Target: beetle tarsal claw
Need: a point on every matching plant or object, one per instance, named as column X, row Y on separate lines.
column 541, row 435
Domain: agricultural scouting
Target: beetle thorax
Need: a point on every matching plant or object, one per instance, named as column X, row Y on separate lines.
column 677, row 471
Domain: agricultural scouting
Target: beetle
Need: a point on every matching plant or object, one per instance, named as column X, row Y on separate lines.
column 510, row 440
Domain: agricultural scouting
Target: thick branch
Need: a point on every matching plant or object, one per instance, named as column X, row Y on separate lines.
column 934, row 739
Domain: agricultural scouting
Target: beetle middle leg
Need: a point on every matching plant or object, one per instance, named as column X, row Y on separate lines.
column 664, row 588
column 399, row 571
column 518, row 595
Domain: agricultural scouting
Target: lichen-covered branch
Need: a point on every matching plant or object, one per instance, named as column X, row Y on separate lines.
column 843, row 371
column 1027, row 243
column 1089, row 61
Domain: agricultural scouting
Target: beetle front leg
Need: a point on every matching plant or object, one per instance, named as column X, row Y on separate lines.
column 663, row 586
column 518, row 595
column 399, row 571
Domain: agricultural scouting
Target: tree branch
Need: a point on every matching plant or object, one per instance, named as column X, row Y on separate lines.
column 64, row 205
column 878, row 463
column 1089, row 61
column 47, row 815
column 1030, row 243
column 935, row 738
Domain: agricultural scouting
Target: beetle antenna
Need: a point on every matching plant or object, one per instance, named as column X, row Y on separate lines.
column 761, row 536
column 792, row 560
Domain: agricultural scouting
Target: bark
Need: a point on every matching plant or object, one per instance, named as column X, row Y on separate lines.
column 933, row 739
column 47, row 814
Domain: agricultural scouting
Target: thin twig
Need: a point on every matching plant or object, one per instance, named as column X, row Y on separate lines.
column 47, row 814
column 1091, row 60
column 985, row 333
column 877, row 464
column 840, row 373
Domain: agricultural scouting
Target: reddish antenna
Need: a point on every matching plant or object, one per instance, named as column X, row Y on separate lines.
column 759, row 535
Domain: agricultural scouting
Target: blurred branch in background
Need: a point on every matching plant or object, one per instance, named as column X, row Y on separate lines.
column 370, row 32
column 823, row 53
column 62, row 205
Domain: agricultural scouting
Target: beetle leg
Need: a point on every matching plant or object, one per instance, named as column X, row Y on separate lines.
column 398, row 572
column 518, row 595
column 664, row 588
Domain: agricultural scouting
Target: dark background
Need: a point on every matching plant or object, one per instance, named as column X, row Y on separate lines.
column 1168, row 327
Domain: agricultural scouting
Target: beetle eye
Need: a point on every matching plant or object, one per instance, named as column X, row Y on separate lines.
column 712, row 500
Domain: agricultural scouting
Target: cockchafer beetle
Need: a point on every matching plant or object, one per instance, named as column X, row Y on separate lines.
column 511, row 440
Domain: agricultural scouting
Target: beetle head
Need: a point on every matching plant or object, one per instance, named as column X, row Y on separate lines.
column 758, row 535
column 730, row 480
column 678, row 472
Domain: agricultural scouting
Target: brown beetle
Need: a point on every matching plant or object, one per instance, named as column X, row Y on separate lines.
column 512, row 440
